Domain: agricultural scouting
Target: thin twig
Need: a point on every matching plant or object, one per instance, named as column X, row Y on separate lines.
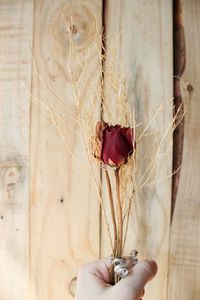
column 119, row 215
column 112, row 208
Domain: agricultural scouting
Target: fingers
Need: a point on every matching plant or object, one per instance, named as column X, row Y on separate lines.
column 98, row 270
column 144, row 271
column 92, row 280
column 134, row 283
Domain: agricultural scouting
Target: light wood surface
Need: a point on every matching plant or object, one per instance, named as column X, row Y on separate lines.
column 50, row 219
column 15, row 71
column 184, row 271
column 141, row 32
column 64, row 207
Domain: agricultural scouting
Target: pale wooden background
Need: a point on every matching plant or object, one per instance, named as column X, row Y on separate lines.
column 49, row 212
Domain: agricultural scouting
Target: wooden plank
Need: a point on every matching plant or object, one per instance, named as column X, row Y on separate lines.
column 184, row 272
column 15, row 71
column 64, row 206
column 142, row 35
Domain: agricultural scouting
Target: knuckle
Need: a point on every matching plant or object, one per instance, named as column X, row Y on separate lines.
column 149, row 266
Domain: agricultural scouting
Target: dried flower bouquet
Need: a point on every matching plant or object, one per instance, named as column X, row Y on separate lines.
column 111, row 138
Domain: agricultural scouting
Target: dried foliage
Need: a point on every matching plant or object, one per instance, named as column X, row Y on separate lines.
column 105, row 96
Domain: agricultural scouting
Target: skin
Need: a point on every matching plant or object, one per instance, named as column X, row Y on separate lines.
column 94, row 278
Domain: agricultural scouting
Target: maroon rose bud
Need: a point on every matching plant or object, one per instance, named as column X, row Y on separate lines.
column 113, row 144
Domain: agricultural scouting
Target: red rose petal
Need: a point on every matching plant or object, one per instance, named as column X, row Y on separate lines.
column 117, row 144
column 129, row 134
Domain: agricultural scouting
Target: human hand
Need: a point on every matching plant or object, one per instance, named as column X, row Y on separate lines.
column 94, row 282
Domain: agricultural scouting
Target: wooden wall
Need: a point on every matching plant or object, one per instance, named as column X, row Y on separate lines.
column 50, row 217
column 184, row 263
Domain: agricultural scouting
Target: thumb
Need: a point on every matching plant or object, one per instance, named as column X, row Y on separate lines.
column 134, row 283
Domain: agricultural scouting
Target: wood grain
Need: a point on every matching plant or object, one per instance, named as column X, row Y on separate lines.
column 64, row 212
column 63, row 221
column 184, row 272
column 142, row 32
column 179, row 66
column 15, row 71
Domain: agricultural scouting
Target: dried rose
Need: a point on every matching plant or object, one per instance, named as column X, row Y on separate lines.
column 113, row 144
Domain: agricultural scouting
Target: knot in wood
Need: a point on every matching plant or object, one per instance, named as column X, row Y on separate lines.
column 74, row 24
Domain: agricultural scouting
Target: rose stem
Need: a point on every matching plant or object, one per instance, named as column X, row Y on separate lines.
column 110, row 194
column 119, row 214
